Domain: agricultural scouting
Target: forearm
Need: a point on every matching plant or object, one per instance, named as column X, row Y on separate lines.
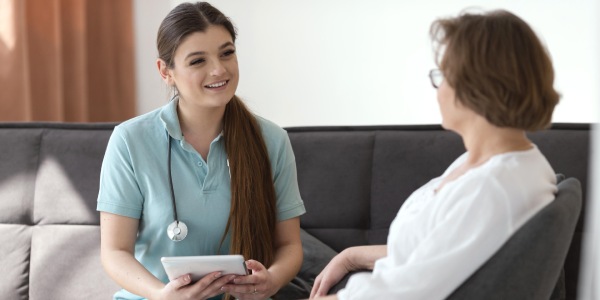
column 128, row 273
column 286, row 263
column 364, row 257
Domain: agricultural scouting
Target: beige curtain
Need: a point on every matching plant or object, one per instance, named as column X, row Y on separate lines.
column 66, row 60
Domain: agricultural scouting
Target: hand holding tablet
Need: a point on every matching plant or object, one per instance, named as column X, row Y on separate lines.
column 200, row 266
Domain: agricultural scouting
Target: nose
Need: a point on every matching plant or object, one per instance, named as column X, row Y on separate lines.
column 217, row 68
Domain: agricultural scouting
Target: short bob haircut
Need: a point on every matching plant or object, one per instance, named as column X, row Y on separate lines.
column 498, row 68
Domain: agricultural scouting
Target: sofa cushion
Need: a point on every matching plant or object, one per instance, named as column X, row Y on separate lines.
column 403, row 161
column 65, row 189
column 20, row 150
column 529, row 264
column 316, row 256
column 334, row 174
column 79, row 268
column 15, row 246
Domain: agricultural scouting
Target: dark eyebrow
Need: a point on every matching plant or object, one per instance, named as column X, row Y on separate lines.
column 227, row 44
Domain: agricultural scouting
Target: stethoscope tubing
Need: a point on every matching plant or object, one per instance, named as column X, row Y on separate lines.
column 171, row 185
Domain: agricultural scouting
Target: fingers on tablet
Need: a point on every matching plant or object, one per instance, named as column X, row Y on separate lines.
column 182, row 281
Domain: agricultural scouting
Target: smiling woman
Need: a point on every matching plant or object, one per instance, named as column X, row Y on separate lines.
column 203, row 78
column 226, row 177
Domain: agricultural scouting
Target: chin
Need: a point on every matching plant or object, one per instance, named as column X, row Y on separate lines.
column 220, row 101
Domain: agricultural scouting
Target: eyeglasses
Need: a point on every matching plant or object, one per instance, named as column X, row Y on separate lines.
column 437, row 77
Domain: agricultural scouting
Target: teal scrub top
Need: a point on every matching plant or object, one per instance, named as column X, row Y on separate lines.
column 134, row 183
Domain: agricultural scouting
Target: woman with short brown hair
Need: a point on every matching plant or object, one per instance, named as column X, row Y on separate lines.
column 498, row 68
column 495, row 82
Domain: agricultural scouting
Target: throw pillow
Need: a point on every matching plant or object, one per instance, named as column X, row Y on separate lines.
column 316, row 256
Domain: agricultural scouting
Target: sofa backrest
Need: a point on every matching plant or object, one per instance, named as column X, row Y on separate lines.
column 529, row 265
column 49, row 232
column 354, row 179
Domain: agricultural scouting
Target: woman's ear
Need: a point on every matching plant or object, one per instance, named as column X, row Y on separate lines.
column 165, row 72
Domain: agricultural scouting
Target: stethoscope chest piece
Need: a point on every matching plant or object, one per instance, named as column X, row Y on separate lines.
column 177, row 231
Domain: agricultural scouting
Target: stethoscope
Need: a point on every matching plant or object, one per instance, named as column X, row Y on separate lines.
column 177, row 231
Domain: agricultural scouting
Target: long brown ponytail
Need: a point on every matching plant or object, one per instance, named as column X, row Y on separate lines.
column 252, row 217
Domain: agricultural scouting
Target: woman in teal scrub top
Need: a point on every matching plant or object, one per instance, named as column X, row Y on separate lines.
column 205, row 161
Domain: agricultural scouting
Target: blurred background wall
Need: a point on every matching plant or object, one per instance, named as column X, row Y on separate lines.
column 309, row 62
column 348, row 62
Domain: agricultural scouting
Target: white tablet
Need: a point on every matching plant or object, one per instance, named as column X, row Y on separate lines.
column 200, row 266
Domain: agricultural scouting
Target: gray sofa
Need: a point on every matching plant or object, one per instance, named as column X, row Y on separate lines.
column 352, row 179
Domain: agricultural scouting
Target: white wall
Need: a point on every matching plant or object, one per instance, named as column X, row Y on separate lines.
column 150, row 90
column 347, row 62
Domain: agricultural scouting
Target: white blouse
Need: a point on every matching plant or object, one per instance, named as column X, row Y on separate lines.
column 437, row 240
